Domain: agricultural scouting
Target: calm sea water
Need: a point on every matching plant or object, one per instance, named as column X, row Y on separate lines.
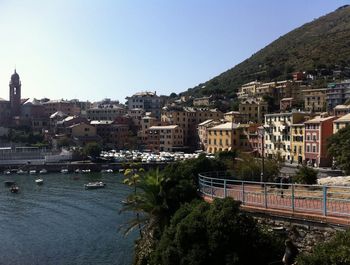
column 62, row 223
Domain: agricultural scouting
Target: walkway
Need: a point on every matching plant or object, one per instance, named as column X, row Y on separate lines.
column 325, row 204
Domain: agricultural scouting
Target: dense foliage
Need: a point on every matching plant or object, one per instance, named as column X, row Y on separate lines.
column 25, row 136
column 182, row 179
column 317, row 47
column 334, row 252
column 339, row 148
column 249, row 168
column 217, row 233
column 305, row 175
column 92, row 149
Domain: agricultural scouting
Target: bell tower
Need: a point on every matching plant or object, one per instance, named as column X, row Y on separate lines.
column 15, row 94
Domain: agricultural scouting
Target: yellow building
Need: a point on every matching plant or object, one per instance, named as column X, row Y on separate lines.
column 315, row 99
column 188, row 119
column 253, row 110
column 203, row 132
column 165, row 138
column 248, row 90
column 297, row 143
column 82, row 130
column 226, row 137
column 341, row 123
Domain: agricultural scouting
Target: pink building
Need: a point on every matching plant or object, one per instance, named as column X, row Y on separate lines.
column 317, row 131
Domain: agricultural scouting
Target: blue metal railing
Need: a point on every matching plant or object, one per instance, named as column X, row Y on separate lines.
column 314, row 199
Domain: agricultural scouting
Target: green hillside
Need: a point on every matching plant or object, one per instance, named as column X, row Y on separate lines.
column 322, row 45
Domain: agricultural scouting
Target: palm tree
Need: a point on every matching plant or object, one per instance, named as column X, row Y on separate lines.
column 148, row 201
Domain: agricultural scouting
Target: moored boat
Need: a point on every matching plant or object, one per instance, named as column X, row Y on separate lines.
column 32, row 171
column 94, row 185
column 64, row 171
column 39, row 181
column 107, row 170
column 21, row 172
column 7, row 172
column 43, row 171
column 14, row 189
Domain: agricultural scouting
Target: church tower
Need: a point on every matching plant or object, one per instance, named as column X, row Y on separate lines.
column 15, row 95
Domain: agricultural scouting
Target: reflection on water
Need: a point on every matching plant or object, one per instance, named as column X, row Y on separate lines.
column 62, row 223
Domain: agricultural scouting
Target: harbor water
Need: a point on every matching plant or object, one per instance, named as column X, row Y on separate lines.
column 62, row 223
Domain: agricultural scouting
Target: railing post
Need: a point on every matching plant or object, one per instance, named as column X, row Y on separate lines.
column 212, row 189
column 265, row 195
column 293, row 205
column 225, row 190
column 325, row 200
column 242, row 193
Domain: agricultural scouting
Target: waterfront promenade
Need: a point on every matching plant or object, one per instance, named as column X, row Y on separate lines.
column 315, row 203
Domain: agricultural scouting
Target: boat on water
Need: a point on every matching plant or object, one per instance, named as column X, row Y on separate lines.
column 94, row 185
column 64, row 171
column 21, row 172
column 9, row 183
column 77, row 170
column 32, row 171
column 7, row 172
column 107, row 170
column 39, row 181
column 14, row 189
column 86, row 170
column 43, row 171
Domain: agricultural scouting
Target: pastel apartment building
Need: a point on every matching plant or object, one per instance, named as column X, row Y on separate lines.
column 341, row 123
column 188, row 119
column 315, row 99
column 165, row 138
column 277, row 132
column 297, row 143
column 253, row 110
column 317, row 131
column 228, row 136
column 337, row 93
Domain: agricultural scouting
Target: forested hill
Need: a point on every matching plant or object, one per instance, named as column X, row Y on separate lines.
column 323, row 44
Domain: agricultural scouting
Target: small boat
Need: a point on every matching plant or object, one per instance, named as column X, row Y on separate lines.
column 43, row 171
column 14, row 189
column 9, row 183
column 21, row 172
column 121, row 170
column 32, row 172
column 64, row 171
column 107, row 171
column 94, row 185
column 7, row 172
column 39, row 181
column 86, row 171
column 77, row 170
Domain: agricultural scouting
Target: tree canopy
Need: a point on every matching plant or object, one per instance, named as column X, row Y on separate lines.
column 218, row 233
column 339, row 148
column 306, row 175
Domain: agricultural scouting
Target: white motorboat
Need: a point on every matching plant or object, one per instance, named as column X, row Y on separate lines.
column 39, row 181
column 7, row 172
column 86, row 171
column 64, row 171
column 94, row 185
column 43, row 171
column 21, row 172
column 107, row 170
column 32, row 171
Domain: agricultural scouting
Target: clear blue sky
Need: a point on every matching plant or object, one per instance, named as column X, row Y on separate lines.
column 95, row 49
